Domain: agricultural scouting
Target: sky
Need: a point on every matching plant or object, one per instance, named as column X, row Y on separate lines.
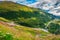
column 24, row 2
column 27, row 2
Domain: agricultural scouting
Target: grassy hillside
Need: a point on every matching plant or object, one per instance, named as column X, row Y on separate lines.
column 19, row 22
column 24, row 15
column 18, row 32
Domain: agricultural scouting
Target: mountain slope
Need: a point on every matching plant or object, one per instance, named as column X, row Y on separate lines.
column 24, row 15
column 18, row 32
column 16, row 21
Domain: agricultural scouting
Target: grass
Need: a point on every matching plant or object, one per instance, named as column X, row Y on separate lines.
column 3, row 19
column 20, row 32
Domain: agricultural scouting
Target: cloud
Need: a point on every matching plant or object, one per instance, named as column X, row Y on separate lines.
column 24, row 2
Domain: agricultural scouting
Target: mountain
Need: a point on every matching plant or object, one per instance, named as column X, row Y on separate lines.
column 51, row 6
column 20, row 22
column 18, row 32
column 24, row 15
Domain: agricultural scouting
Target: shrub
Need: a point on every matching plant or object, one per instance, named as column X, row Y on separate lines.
column 5, row 36
column 54, row 28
